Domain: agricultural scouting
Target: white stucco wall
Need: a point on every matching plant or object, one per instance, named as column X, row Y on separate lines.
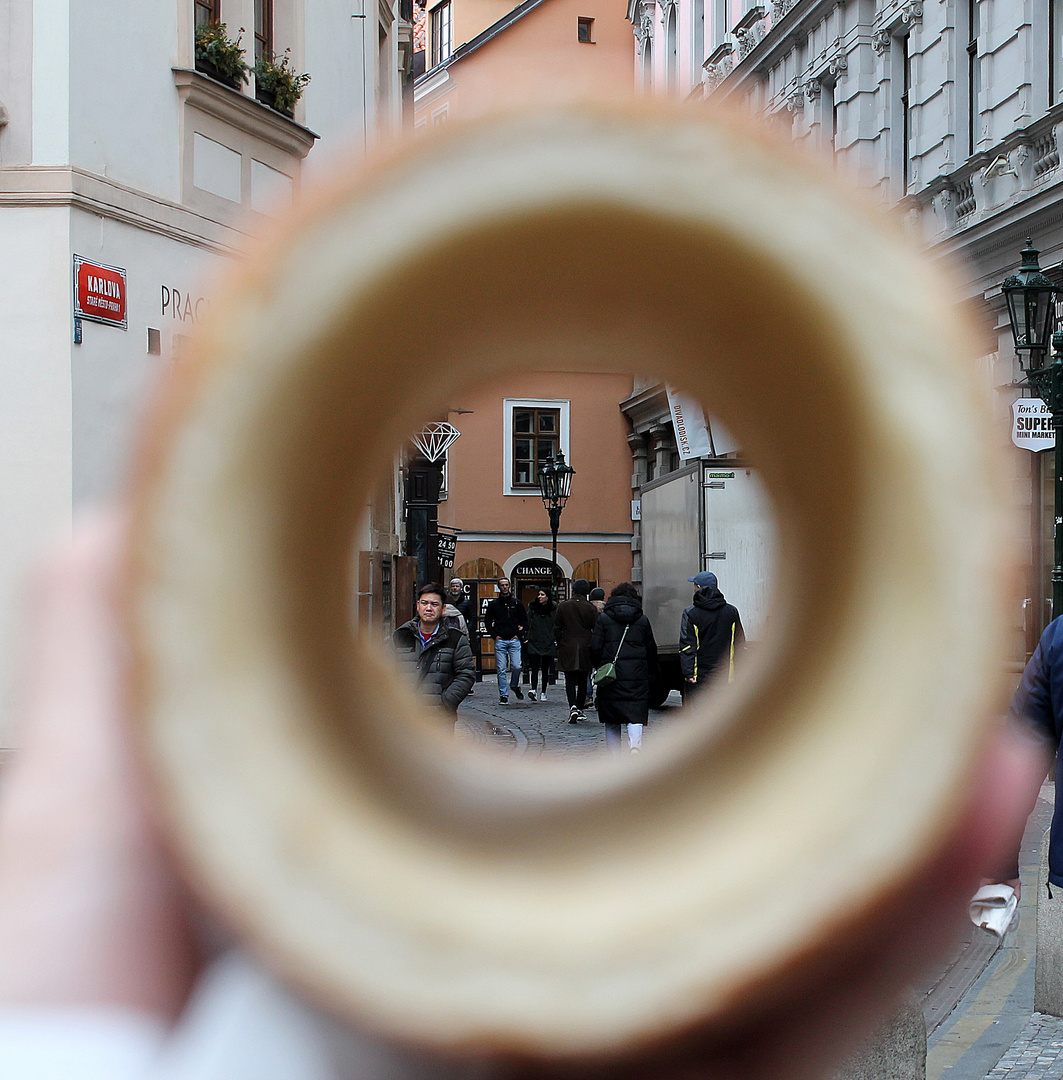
column 35, row 410
column 112, row 373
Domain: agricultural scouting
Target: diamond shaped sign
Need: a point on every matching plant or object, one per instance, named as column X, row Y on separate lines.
column 435, row 439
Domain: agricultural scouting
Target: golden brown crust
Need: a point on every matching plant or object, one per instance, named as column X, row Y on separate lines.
column 796, row 702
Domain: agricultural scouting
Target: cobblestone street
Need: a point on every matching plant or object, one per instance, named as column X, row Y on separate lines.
column 1037, row 1053
column 533, row 728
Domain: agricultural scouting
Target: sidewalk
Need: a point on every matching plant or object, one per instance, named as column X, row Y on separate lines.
column 978, row 1010
column 993, row 1033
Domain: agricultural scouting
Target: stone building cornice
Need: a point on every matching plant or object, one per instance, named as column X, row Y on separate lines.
column 65, row 185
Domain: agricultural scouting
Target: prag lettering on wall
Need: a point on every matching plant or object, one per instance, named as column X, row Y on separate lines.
column 182, row 306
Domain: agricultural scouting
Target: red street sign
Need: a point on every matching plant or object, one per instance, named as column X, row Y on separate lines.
column 99, row 292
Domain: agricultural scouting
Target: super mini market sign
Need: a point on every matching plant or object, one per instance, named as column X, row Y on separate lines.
column 99, row 292
column 1032, row 427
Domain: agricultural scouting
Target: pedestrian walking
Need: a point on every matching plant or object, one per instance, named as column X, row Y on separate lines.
column 542, row 648
column 505, row 620
column 1037, row 708
column 465, row 605
column 436, row 657
column 573, row 624
column 597, row 598
column 623, row 637
column 710, row 635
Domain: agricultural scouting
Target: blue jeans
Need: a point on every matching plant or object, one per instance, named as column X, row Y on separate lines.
column 507, row 655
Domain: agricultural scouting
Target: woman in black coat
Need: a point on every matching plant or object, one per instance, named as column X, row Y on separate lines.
column 627, row 699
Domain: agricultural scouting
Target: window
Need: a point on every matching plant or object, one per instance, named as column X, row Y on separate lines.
column 585, row 31
column 534, row 431
column 442, row 33
column 671, row 56
column 208, row 12
column 974, row 75
column 535, row 442
column 1055, row 51
column 263, row 28
column 697, row 37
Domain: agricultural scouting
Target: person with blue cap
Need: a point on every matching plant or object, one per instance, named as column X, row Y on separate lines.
column 709, row 635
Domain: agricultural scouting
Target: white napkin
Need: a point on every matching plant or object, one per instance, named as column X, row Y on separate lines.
column 993, row 908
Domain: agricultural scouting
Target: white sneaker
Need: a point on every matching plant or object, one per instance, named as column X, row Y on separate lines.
column 543, row 698
column 531, row 695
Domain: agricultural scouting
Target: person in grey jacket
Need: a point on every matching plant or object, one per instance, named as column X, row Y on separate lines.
column 438, row 658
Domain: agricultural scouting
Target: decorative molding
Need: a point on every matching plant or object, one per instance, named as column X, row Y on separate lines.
column 468, row 537
column 749, row 31
column 61, row 185
column 242, row 112
column 912, row 12
column 838, row 63
column 795, row 100
column 643, row 25
column 718, row 66
column 812, row 89
column 749, row 38
column 881, row 40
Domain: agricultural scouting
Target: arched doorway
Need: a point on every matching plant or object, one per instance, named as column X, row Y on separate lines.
column 532, row 575
column 529, row 570
column 590, row 571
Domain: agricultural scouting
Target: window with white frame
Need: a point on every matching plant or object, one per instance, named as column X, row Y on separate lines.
column 442, row 33
column 534, row 430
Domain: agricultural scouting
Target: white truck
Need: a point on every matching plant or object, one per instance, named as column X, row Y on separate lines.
column 708, row 515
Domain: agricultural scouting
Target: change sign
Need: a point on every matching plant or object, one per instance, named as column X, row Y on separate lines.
column 99, row 292
column 1032, row 427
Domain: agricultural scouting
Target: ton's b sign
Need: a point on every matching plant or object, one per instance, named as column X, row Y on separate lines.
column 1032, row 427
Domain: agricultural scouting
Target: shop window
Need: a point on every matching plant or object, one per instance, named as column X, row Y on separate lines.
column 585, row 31
column 208, row 12
column 442, row 33
column 535, row 430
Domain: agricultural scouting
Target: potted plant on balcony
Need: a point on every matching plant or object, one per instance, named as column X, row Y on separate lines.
column 276, row 83
column 218, row 56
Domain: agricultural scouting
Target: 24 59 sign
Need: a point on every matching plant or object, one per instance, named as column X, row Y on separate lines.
column 99, row 292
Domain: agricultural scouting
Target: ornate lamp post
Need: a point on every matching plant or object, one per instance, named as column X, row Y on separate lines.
column 555, row 485
column 1031, row 299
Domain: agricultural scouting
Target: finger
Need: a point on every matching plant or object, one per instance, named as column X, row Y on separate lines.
column 90, row 910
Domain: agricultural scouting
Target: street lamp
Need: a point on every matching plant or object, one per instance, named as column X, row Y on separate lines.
column 1031, row 299
column 555, row 485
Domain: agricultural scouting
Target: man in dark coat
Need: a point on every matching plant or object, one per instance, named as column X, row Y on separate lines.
column 505, row 620
column 573, row 624
column 623, row 636
column 1038, row 705
column 438, row 660
column 709, row 635
column 466, row 608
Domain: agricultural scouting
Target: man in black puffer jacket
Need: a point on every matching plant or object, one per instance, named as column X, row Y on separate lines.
column 710, row 635
column 437, row 659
